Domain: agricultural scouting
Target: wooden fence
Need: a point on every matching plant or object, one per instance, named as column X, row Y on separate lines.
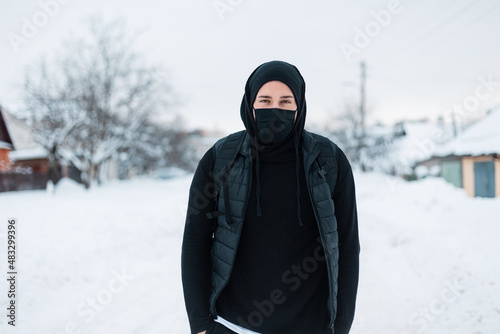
column 13, row 181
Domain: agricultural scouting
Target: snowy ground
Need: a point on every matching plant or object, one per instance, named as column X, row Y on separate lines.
column 108, row 260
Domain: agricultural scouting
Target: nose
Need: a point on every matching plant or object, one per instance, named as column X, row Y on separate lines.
column 276, row 104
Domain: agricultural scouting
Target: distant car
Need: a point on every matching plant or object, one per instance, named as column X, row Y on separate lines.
column 169, row 173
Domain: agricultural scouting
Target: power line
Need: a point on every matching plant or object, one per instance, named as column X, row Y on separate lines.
column 437, row 28
column 419, row 80
column 432, row 10
column 473, row 21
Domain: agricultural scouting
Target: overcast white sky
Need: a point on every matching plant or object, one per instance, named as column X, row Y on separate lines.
column 429, row 57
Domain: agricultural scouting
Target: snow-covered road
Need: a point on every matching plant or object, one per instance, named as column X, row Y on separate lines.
column 108, row 260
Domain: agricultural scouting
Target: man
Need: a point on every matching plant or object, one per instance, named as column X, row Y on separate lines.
column 271, row 238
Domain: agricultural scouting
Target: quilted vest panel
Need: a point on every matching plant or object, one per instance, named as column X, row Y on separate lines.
column 233, row 174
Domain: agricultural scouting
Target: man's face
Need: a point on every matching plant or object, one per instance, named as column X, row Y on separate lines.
column 275, row 94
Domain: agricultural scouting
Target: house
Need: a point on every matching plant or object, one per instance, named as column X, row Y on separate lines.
column 5, row 145
column 416, row 140
column 472, row 160
column 26, row 153
column 24, row 163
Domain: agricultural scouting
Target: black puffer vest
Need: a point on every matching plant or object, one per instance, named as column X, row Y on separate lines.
column 233, row 175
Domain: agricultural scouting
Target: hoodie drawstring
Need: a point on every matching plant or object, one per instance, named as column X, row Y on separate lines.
column 257, row 171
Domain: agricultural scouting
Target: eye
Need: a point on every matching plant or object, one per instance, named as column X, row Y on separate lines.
column 264, row 101
column 286, row 101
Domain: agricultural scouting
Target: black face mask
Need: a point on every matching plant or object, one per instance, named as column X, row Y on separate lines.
column 274, row 124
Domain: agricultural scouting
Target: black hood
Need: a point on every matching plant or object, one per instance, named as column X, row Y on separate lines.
column 271, row 71
column 290, row 76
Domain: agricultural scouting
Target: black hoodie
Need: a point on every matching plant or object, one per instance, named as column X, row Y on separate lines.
column 274, row 286
column 289, row 75
column 280, row 232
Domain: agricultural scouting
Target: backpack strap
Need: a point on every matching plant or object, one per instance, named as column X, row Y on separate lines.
column 226, row 150
column 324, row 169
column 326, row 163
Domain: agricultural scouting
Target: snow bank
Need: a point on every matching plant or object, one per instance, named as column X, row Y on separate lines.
column 67, row 185
column 107, row 260
column 427, row 258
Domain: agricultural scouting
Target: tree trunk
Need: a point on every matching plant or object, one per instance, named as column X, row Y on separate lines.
column 53, row 174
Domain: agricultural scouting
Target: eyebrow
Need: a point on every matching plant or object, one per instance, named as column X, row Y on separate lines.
column 270, row 97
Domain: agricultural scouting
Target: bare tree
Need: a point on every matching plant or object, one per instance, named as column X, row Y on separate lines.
column 101, row 95
column 351, row 133
column 51, row 111
column 362, row 144
column 117, row 93
column 161, row 145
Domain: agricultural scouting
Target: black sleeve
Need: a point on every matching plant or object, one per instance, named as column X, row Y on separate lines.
column 196, row 245
column 344, row 197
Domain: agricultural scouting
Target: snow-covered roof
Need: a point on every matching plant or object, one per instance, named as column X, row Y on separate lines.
column 25, row 147
column 20, row 132
column 420, row 142
column 5, row 145
column 481, row 138
column 29, row 153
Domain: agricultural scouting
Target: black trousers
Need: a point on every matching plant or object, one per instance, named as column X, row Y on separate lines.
column 217, row 328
